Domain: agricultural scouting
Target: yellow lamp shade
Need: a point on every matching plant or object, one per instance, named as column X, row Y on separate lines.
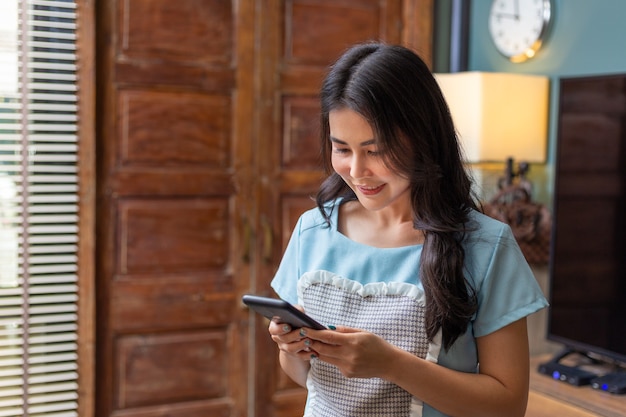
column 498, row 115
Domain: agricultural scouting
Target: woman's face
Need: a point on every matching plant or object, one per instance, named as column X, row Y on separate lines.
column 356, row 159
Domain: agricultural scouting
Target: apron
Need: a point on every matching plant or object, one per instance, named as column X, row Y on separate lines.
column 394, row 311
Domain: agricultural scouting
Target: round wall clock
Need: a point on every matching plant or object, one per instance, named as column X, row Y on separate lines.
column 518, row 27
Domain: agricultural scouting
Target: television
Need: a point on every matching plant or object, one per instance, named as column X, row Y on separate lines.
column 587, row 272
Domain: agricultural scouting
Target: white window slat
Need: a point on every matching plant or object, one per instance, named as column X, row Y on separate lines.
column 39, row 389
column 52, row 168
column 10, row 382
column 44, row 240
column 52, row 3
column 68, row 36
column 56, row 278
column 14, row 361
column 52, row 229
column 54, row 178
column 41, row 117
column 58, row 259
column 50, row 398
column 49, row 410
column 64, row 14
column 56, row 208
column 58, row 347
column 11, row 412
column 10, row 393
column 53, row 318
column 10, row 371
column 52, row 45
column 52, row 269
column 52, row 367
column 33, row 66
column 58, row 377
column 57, row 328
column 52, row 309
column 51, row 87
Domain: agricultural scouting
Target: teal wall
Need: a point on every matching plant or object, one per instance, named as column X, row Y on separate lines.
column 586, row 37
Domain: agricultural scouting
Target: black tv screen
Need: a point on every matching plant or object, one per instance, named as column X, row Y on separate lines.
column 588, row 255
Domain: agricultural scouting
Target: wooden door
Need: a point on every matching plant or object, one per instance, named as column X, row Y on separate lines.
column 300, row 39
column 175, row 149
column 207, row 154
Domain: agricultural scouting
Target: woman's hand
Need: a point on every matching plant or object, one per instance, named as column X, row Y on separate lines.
column 356, row 353
column 290, row 341
column 295, row 351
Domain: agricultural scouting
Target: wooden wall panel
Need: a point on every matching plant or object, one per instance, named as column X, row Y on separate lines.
column 301, row 142
column 163, row 304
column 159, row 369
column 173, row 236
column 161, row 29
column 292, row 208
column 317, row 31
column 173, row 128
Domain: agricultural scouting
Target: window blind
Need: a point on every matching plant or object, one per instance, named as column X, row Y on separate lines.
column 38, row 208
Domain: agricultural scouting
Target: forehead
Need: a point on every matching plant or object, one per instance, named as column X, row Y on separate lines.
column 348, row 125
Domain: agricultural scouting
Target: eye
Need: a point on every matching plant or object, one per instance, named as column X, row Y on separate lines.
column 341, row 150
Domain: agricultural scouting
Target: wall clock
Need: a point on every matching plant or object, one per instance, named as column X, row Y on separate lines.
column 518, row 27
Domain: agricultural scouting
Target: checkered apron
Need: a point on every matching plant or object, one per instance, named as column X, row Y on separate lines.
column 395, row 312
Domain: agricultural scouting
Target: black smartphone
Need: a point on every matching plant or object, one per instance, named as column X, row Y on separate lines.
column 280, row 311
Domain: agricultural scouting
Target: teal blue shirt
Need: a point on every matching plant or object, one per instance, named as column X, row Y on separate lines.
column 495, row 267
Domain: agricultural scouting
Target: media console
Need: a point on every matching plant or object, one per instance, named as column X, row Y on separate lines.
column 552, row 397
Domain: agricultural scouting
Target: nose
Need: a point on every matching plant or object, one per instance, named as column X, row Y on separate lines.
column 358, row 166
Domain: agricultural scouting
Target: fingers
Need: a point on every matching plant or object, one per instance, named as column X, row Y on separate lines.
column 291, row 341
column 277, row 329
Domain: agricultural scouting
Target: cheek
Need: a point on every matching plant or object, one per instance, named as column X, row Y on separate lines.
column 340, row 165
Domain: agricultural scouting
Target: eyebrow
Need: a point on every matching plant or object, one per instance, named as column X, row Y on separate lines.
column 341, row 142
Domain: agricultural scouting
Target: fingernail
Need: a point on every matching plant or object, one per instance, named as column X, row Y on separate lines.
column 307, row 342
column 313, row 356
column 331, row 327
column 286, row 328
column 302, row 332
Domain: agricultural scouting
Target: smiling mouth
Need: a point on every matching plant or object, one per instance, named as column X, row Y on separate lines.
column 370, row 190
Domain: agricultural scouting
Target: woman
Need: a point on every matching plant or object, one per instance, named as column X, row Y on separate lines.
column 416, row 286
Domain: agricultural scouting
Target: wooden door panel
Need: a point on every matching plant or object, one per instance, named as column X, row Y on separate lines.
column 318, row 30
column 173, row 236
column 300, row 150
column 172, row 335
column 169, row 368
column 162, row 29
column 136, row 305
column 174, row 128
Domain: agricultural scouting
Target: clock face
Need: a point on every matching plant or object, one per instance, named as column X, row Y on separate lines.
column 517, row 27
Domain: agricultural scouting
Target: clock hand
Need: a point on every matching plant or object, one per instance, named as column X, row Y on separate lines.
column 508, row 15
column 516, row 9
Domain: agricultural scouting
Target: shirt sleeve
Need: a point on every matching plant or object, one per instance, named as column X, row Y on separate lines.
column 509, row 290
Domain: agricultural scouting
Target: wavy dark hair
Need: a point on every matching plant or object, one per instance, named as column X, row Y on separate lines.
column 393, row 89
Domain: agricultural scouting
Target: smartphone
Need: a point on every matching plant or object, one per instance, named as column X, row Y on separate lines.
column 280, row 311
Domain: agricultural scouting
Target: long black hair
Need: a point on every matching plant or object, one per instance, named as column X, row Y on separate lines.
column 393, row 89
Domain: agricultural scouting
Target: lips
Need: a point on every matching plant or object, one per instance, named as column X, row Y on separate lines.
column 366, row 190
